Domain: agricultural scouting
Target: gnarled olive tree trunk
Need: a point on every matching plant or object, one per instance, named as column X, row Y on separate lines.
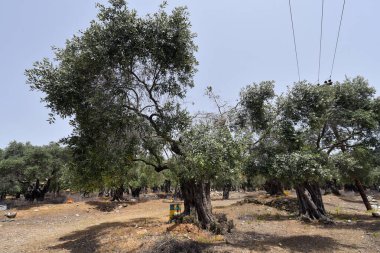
column 226, row 190
column 274, row 187
column 118, row 194
column 166, row 187
column 37, row 191
column 357, row 182
column 361, row 190
column 197, row 201
column 310, row 202
column 331, row 186
column 135, row 192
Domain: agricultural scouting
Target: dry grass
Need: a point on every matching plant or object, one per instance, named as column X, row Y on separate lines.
column 100, row 226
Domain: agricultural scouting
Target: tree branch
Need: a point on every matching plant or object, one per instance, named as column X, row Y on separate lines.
column 157, row 168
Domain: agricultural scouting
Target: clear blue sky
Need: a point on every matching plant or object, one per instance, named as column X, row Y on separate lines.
column 240, row 42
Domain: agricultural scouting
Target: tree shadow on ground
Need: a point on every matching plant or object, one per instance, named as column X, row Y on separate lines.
column 238, row 241
column 109, row 206
column 104, row 206
column 298, row 243
column 267, row 217
column 364, row 222
column 373, row 226
column 170, row 244
column 21, row 204
column 282, row 203
column 89, row 239
column 367, row 224
column 221, row 207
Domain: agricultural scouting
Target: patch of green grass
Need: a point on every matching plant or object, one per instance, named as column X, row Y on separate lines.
column 338, row 210
column 210, row 240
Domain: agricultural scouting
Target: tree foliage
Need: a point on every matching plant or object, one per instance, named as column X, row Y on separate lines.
column 121, row 82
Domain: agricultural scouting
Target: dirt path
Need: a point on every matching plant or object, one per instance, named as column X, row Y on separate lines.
column 101, row 227
column 42, row 226
column 39, row 228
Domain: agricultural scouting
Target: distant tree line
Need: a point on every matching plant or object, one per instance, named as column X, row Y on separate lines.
column 32, row 171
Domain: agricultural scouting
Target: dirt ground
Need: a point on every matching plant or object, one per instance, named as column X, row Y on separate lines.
column 98, row 226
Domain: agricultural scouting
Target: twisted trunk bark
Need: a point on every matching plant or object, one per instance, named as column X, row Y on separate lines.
column 197, row 202
column 118, row 194
column 310, row 202
column 358, row 184
column 36, row 192
column 361, row 190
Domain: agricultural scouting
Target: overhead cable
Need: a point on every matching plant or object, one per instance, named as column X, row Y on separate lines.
column 337, row 38
column 294, row 40
column 320, row 42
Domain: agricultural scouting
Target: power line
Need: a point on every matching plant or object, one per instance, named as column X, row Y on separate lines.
column 320, row 42
column 337, row 38
column 294, row 40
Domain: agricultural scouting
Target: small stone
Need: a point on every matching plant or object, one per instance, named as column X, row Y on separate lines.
column 349, row 221
column 77, row 215
column 36, row 210
column 10, row 215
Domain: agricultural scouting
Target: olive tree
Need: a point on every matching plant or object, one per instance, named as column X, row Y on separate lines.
column 296, row 135
column 211, row 152
column 257, row 116
column 332, row 119
column 122, row 78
